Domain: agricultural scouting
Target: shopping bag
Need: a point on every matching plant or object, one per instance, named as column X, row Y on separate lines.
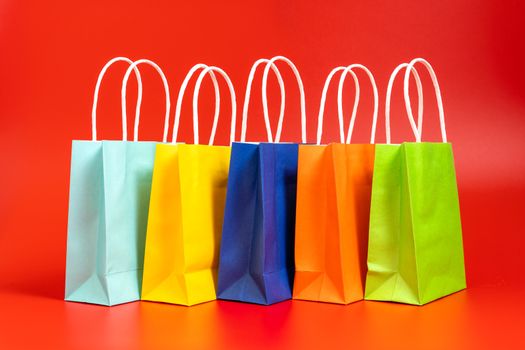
column 256, row 258
column 186, row 210
column 415, row 252
column 333, row 201
column 108, row 209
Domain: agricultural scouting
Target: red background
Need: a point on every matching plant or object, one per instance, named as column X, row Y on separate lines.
column 50, row 55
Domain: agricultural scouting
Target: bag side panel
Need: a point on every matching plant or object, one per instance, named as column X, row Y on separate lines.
column 353, row 166
column 242, row 227
column 390, row 262
column 279, row 190
column 164, row 253
column 86, row 249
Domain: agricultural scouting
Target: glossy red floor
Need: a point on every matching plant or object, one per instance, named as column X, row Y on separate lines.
column 478, row 318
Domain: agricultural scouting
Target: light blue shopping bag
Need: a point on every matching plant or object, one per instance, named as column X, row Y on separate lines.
column 108, row 209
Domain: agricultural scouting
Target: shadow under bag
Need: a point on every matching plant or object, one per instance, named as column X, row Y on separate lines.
column 415, row 252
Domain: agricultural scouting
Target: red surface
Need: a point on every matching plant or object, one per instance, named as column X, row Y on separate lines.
column 51, row 53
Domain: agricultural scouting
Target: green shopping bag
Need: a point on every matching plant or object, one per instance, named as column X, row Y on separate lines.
column 415, row 252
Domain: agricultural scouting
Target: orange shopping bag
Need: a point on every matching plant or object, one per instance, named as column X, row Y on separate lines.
column 333, row 204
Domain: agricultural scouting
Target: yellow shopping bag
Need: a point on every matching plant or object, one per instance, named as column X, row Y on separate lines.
column 186, row 210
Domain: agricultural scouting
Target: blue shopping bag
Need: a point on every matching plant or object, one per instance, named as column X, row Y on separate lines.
column 256, row 262
column 108, row 209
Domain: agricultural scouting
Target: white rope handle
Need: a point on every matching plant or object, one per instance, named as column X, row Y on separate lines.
column 340, row 103
column 301, row 91
column 196, row 90
column 376, row 101
column 247, row 99
column 166, row 90
column 97, row 89
column 340, row 97
column 415, row 129
column 181, row 96
column 438, row 96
